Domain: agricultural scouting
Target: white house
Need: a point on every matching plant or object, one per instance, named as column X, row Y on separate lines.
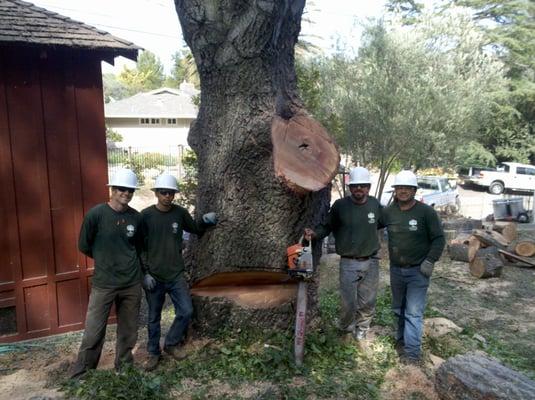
column 157, row 121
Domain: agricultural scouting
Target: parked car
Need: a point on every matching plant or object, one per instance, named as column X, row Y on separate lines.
column 436, row 191
column 508, row 175
column 465, row 174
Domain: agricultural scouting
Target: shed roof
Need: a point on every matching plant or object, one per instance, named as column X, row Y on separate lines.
column 159, row 103
column 23, row 23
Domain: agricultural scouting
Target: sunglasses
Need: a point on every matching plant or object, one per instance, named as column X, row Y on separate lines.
column 166, row 192
column 124, row 189
column 359, row 185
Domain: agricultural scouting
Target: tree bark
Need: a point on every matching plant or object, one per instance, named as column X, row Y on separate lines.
column 244, row 53
column 507, row 229
column 487, row 263
column 458, row 252
column 479, row 377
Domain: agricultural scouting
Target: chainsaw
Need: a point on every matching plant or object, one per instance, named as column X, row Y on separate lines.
column 300, row 261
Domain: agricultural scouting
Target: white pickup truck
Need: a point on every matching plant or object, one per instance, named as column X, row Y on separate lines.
column 508, row 175
column 435, row 191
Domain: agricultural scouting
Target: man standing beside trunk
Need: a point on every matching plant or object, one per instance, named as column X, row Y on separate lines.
column 163, row 225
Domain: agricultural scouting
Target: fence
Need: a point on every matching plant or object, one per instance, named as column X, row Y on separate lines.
column 148, row 162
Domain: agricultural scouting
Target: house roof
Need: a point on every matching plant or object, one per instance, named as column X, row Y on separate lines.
column 23, row 23
column 159, row 103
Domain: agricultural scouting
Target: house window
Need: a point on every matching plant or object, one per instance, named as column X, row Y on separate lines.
column 171, row 121
column 149, row 121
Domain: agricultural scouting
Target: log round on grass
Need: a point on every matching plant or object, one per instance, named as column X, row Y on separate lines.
column 479, row 377
column 525, row 248
column 487, row 263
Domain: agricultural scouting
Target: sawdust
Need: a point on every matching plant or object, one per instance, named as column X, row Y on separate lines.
column 407, row 382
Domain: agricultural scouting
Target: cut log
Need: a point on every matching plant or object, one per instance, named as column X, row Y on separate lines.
column 477, row 376
column 525, row 248
column 460, row 238
column 458, row 252
column 487, row 263
column 527, row 261
column 462, row 225
column 490, row 238
column 507, row 229
column 305, row 156
column 473, row 246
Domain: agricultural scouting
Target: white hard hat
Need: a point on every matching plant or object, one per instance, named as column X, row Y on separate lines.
column 359, row 175
column 405, row 178
column 166, row 182
column 124, row 177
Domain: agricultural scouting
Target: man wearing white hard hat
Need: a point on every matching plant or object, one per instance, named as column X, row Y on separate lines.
column 415, row 243
column 110, row 235
column 354, row 221
column 163, row 267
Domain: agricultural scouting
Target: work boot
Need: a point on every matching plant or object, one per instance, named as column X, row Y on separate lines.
column 406, row 360
column 359, row 334
column 151, row 363
column 400, row 347
column 178, row 353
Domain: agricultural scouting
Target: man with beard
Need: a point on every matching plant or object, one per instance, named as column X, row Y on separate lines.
column 354, row 220
column 163, row 225
column 415, row 243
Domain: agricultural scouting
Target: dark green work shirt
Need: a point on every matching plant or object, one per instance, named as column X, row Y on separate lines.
column 162, row 254
column 354, row 227
column 113, row 240
column 413, row 235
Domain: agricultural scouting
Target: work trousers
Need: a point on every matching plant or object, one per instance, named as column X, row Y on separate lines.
column 127, row 302
column 359, row 281
column 409, row 293
column 180, row 296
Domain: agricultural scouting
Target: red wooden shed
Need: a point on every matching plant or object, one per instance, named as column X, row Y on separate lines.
column 53, row 164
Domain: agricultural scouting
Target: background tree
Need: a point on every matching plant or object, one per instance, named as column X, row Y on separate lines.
column 184, row 69
column 412, row 96
column 147, row 75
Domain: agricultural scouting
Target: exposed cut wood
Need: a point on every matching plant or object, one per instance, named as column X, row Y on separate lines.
column 507, row 229
column 461, row 238
column 490, row 238
column 525, row 248
column 473, row 246
column 487, row 263
column 464, row 248
column 305, row 156
column 478, row 376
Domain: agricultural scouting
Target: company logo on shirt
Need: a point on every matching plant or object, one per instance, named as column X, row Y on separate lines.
column 413, row 225
column 174, row 225
column 130, row 230
column 371, row 218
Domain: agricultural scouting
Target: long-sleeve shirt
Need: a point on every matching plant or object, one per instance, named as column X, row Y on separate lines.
column 162, row 231
column 113, row 240
column 354, row 227
column 413, row 235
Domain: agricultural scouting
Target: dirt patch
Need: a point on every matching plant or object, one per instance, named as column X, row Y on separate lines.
column 407, row 382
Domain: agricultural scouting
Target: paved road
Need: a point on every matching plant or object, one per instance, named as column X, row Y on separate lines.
column 477, row 203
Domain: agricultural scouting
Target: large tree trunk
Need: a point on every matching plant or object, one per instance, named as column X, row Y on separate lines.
column 261, row 158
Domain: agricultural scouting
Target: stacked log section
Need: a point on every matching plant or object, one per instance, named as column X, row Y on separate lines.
column 487, row 263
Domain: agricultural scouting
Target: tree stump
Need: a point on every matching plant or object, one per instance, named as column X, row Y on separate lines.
column 487, row 263
column 458, row 252
column 476, row 376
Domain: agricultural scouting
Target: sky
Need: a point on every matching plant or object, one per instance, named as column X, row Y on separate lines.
column 154, row 26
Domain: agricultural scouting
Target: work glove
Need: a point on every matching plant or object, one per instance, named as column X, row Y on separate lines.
column 149, row 282
column 426, row 268
column 210, row 218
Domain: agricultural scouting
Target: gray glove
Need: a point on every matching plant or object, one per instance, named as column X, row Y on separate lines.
column 426, row 268
column 210, row 218
column 149, row 282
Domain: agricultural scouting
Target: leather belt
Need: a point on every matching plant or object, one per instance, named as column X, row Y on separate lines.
column 357, row 258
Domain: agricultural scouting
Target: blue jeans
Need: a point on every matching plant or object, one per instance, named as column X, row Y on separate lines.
column 409, row 291
column 180, row 296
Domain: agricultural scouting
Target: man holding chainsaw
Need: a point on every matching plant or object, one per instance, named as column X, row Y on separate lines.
column 163, row 267
column 354, row 221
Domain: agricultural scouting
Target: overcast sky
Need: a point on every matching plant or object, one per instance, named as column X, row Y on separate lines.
column 153, row 24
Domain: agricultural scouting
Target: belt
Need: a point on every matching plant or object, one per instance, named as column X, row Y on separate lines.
column 357, row 258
